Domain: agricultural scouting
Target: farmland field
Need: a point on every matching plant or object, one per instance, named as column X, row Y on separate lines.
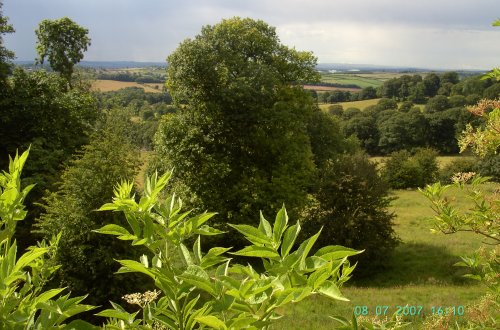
column 362, row 80
column 354, row 104
column 113, row 85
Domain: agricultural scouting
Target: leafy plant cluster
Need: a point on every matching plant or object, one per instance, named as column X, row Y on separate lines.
column 196, row 289
column 206, row 288
column 24, row 301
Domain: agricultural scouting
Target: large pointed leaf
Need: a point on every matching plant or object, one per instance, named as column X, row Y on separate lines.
column 330, row 289
column 257, row 251
column 280, row 224
column 291, row 234
column 116, row 230
column 196, row 276
column 334, row 252
column 134, row 266
column 254, row 235
column 29, row 257
column 265, row 226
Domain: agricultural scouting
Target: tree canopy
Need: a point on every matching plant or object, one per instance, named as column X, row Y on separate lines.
column 239, row 143
column 63, row 42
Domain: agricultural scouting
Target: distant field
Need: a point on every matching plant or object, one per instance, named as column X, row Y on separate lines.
column 330, row 88
column 353, row 79
column 355, row 104
column 113, row 85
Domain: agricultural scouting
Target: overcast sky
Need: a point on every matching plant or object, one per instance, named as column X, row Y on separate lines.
column 445, row 34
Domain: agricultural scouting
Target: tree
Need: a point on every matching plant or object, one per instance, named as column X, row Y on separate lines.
column 5, row 54
column 431, row 84
column 39, row 111
column 352, row 210
column 86, row 258
column 63, row 42
column 239, row 144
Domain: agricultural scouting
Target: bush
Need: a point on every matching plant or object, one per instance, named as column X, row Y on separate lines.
column 404, row 170
column 351, row 201
column 458, row 165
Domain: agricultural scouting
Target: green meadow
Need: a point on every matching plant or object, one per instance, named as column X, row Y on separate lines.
column 420, row 272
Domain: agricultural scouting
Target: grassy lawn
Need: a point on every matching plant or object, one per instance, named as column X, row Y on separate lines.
column 420, row 272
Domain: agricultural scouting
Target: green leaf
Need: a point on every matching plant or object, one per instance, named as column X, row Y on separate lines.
column 257, row 251
column 254, row 235
column 330, row 289
column 280, row 224
column 306, row 246
column 265, row 226
column 29, row 257
column 46, row 295
column 334, row 252
column 116, row 230
column 196, row 276
column 212, row 322
column 186, row 257
column 291, row 234
column 134, row 266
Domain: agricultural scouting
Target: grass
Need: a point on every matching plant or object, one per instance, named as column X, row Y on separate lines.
column 354, row 104
column 420, row 271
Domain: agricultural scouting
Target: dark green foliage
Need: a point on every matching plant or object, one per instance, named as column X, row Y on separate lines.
column 86, row 258
column 489, row 166
column 352, row 201
column 404, row 170
column 443, row 128
column 364, row 128
column 400, row 130
column 437, row 103
column 368, row 93
column 5, row 55
column 431, row 84
column 326, row 139
column 40, row 112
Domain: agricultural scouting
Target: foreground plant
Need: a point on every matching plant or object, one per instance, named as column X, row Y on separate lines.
column 24, row 304
column 209, row 290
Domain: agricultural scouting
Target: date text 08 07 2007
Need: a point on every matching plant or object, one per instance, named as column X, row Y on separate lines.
column 409, row 310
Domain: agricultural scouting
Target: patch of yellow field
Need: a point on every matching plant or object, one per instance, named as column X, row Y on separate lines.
column 113, row 85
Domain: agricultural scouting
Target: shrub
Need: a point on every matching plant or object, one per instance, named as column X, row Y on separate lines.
column 351, row 206
column 403, row 170
column 458, row 165
column 24, row 304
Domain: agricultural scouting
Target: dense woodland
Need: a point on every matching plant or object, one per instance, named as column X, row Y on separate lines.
column 242, row 137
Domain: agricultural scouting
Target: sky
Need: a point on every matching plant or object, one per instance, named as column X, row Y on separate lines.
column 435, row 34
